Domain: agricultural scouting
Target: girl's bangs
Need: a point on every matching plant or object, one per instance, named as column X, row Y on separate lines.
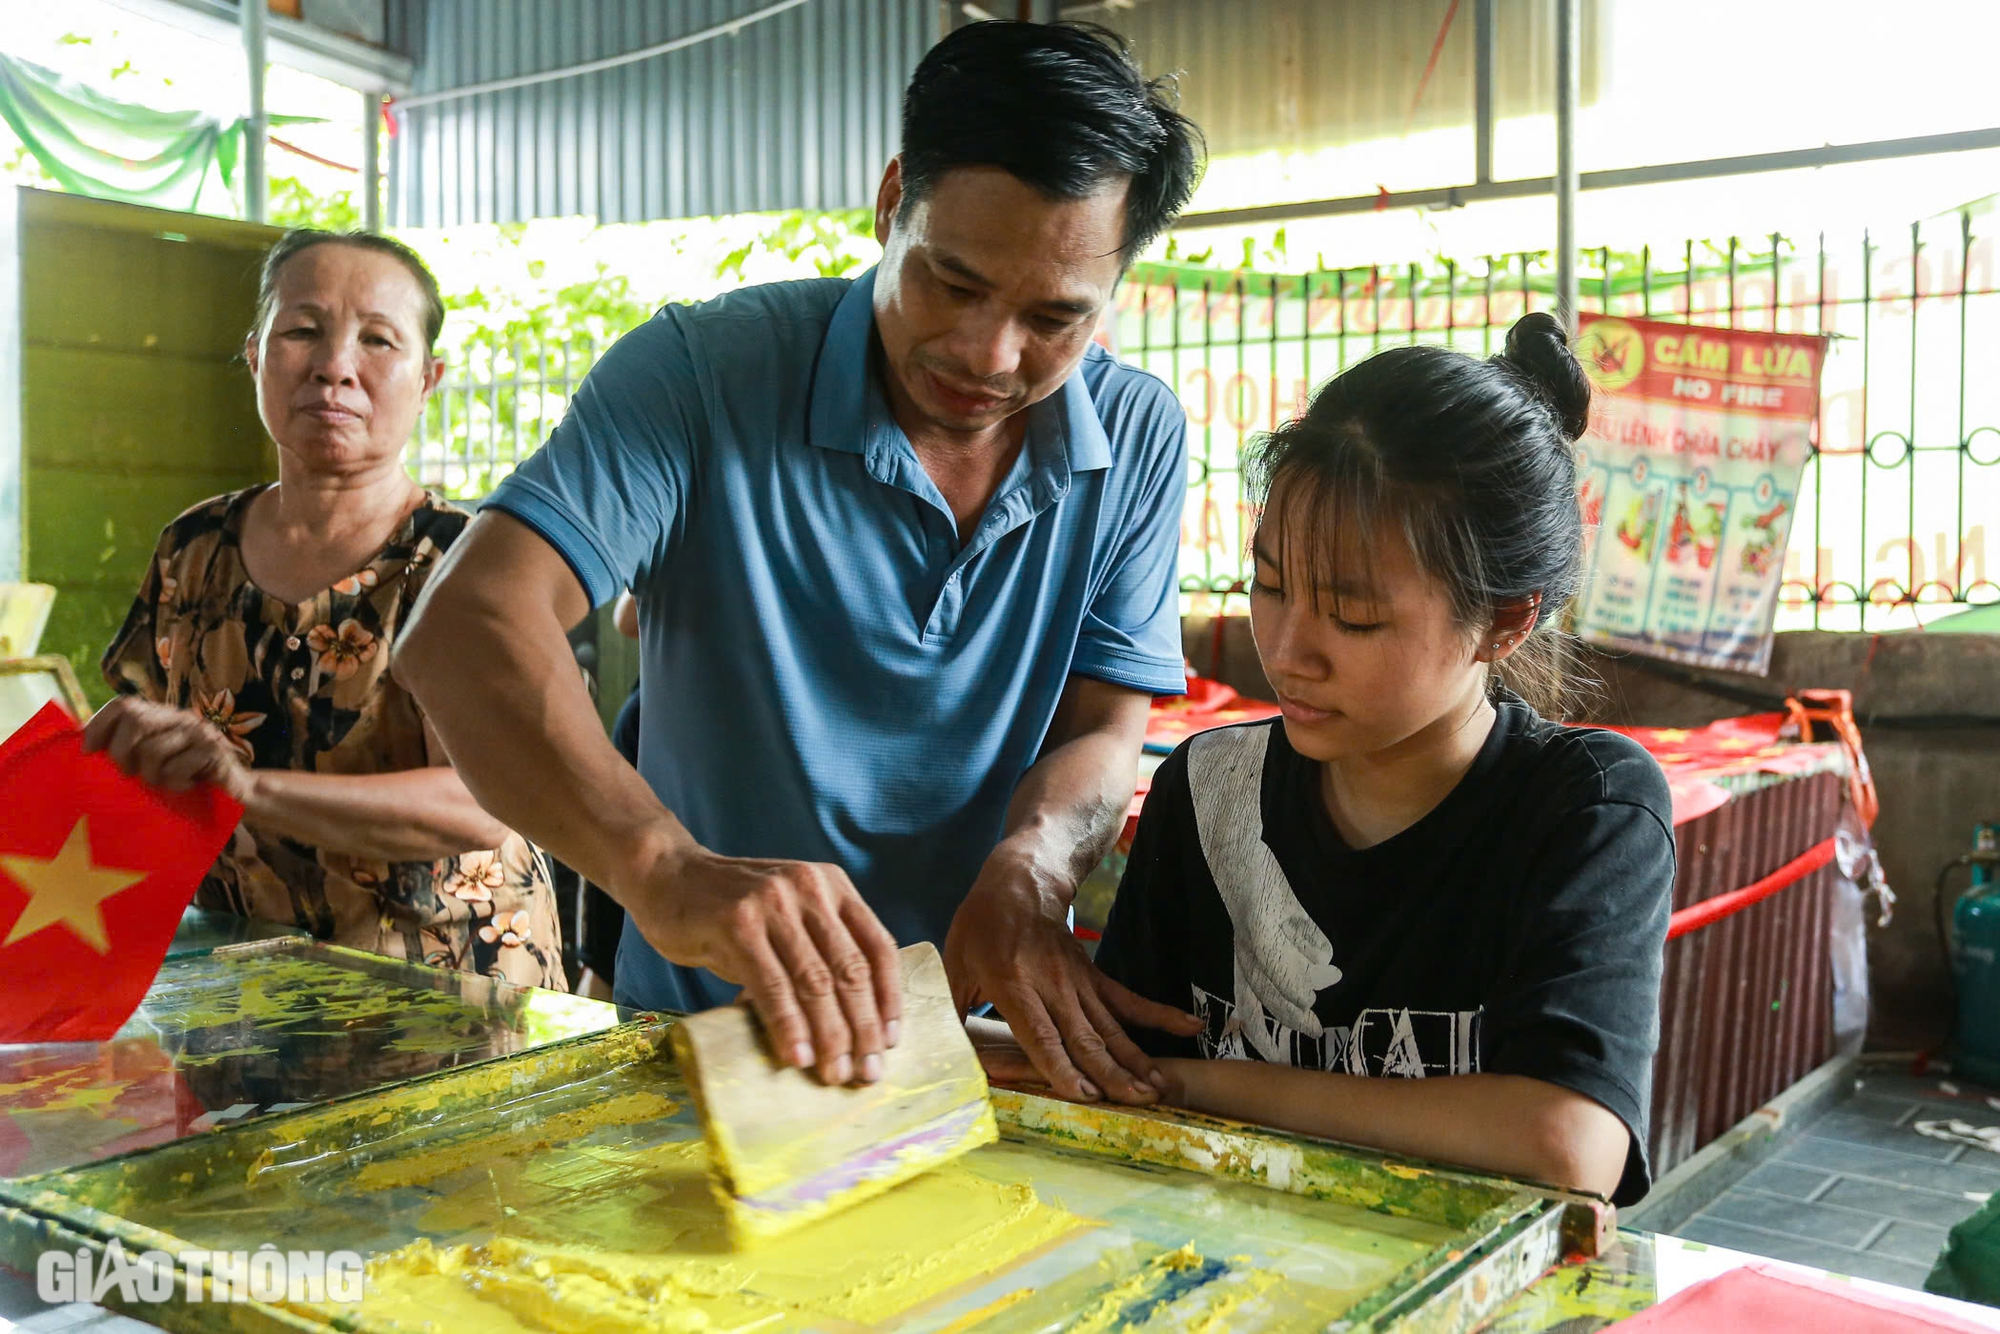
column 1325, row 526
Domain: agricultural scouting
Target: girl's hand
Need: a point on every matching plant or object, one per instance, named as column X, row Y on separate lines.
column 1005, row 1060
column 167, row 747
column 1178, row 1072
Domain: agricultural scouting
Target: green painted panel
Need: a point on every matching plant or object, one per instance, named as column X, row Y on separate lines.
column 127, row 412
column 95, row 529
column 135, row 406
column 81, row 625
column 90, row 534
column 131, row 291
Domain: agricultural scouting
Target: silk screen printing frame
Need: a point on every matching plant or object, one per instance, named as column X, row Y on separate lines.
column 1179, row 1221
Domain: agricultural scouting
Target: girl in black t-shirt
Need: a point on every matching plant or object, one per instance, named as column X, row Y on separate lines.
column 1411, row 873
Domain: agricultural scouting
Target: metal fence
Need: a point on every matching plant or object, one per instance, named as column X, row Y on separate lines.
column 1897, row 497
column 494, row 407
column 1898, row 503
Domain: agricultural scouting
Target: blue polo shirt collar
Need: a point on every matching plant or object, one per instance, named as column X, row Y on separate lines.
column 848, row 413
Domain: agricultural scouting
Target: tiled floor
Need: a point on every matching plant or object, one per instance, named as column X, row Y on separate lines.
column 21, row 1310
column 1859, row 1191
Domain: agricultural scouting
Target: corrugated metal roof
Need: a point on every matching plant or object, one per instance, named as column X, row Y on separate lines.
column 1305, row 74
column 403, row 26
column 800, row 110
column 797, row 111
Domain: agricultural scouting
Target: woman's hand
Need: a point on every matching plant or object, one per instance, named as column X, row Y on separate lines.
column 167, row 747
column 1509, row 1124
column 400, row 815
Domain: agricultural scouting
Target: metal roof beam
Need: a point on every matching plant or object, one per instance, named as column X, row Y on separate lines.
column 293, row 44
column 1457, row 196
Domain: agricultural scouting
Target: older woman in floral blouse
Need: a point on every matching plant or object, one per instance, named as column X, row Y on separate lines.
column 257, row 654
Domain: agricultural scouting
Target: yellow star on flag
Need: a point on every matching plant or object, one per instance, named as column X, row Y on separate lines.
column 68, row 888
column 1671, row 735
column 1735, row 743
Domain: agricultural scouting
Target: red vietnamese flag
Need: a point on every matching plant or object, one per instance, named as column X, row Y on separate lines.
column 95, row 870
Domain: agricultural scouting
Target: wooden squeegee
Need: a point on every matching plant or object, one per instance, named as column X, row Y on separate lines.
column 786, row 1150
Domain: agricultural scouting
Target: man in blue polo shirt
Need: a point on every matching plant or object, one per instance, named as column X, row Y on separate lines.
column 904, row 549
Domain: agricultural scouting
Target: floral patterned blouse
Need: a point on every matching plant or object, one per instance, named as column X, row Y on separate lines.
column 307, row 687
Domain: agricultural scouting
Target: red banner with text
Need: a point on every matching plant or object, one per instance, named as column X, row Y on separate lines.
column 1688, row 478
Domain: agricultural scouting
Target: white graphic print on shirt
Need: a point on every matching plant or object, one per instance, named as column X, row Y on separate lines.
column 1283, row 960
column 1383, row 1043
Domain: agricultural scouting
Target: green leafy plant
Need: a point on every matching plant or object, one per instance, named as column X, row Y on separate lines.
column 293, row 204
column 824, row 240
column 520, row 338
column 515, row 353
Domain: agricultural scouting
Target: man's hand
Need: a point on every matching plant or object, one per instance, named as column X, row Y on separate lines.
column 1009, row 945
column 167, row 747
column 818, row 967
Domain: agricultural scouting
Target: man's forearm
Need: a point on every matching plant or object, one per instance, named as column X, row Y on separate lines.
column 503, row 692
column 1009, row 943
column 1498, row 1123
column 1069, row 807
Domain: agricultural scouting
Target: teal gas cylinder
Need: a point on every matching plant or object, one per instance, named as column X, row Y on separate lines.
column 1975, row 960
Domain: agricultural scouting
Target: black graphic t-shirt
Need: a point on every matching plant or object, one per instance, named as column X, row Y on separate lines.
column 1515, row 929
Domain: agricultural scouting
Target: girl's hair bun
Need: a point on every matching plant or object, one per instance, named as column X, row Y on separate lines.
column 1538, row 351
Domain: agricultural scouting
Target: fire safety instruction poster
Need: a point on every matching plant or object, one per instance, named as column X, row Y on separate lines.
column 1688, row 478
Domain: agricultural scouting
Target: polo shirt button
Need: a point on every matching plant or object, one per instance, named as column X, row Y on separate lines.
column 292, row 643
column 298, row 672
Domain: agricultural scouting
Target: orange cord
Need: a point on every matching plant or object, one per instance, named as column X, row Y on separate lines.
column 1835, row 708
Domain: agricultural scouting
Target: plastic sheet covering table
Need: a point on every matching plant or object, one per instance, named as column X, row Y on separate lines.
column 565, row 1189
column 244, row 1030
